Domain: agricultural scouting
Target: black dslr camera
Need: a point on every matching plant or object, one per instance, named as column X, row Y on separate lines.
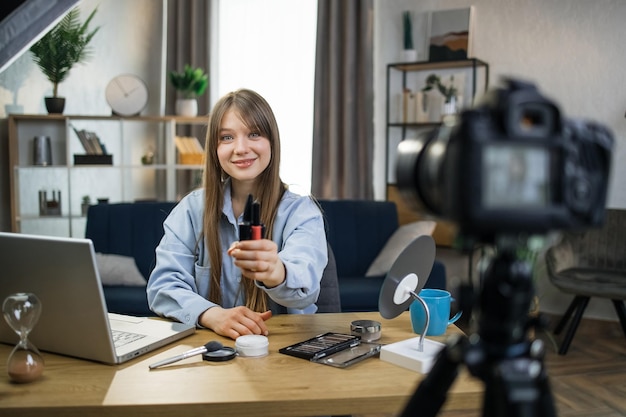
column 510, row 165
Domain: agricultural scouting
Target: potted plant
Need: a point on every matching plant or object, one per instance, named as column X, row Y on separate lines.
column 448, row 92
column 444, row 101
column 191, row 83
column 84, row 205
column 409, row 54
column 59, row 50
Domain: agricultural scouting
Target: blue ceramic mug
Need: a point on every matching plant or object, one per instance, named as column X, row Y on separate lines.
column 438, row 302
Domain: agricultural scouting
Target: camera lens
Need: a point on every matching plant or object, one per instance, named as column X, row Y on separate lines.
column 419, row 169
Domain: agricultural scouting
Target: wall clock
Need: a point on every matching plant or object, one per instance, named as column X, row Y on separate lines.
column 127, row 95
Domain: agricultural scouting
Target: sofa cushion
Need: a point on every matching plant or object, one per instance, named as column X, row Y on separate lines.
column 119, row 270
column 357, row 232
column 400, row 239
column 129, row 229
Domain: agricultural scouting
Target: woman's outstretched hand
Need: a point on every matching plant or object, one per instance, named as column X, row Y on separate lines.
column 258, row 260
column 235, row 322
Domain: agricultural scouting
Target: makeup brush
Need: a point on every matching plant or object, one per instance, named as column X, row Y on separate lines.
column 212, row 346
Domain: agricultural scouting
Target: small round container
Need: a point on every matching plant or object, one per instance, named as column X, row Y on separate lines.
column 252, row 345
column 369, row 330
column 224, row 354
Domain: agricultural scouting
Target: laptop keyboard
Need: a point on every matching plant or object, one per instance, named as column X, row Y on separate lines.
column 121, row 338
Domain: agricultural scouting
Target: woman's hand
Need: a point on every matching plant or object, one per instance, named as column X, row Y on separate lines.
column 235, row 322
column 258, row 260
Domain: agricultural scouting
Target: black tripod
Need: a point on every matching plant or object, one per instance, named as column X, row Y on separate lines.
column 500, row 353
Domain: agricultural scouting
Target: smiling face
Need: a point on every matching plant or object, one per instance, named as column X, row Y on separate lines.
column 243, row 153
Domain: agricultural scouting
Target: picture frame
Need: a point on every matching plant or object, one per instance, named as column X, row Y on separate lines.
column 450, row 34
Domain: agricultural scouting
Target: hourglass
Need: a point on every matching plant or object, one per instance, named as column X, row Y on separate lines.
column 22, row 311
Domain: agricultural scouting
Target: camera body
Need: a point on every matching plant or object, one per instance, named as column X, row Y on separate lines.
column 510, row 165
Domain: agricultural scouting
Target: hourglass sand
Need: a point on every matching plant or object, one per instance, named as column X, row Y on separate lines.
column 22, row 311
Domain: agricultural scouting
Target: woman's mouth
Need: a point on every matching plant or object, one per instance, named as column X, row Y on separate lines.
column 243, row 163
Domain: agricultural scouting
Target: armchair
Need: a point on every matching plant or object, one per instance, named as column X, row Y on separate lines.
column 589, row 264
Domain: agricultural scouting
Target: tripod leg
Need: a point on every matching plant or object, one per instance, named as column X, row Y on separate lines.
column 432, row 391
column 518, row 387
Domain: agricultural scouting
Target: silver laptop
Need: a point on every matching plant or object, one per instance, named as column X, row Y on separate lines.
column 74, row 321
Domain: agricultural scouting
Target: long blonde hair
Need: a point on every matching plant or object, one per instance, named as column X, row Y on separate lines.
column 258, row 116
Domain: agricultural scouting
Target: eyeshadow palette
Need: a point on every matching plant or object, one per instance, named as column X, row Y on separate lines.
column 321, row 346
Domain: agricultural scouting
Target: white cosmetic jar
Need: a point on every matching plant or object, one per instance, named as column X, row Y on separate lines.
column 252, row 345
column 369, row 330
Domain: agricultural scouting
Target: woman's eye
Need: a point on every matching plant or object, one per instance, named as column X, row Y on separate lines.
column 226, row 138
column 254, row 135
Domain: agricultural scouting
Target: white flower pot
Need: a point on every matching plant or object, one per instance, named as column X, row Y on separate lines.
column 187, row 107
column 409, row 55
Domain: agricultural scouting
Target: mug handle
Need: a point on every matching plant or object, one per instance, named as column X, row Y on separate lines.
column 456, row 316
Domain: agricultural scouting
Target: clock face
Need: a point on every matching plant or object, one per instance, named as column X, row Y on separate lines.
column 127, row 95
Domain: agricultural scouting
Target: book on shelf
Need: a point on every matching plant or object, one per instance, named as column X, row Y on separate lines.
column 190, row 151
column 91, row 142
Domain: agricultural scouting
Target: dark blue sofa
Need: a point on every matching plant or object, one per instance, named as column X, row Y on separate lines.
column 129, row 229
column 357, row 230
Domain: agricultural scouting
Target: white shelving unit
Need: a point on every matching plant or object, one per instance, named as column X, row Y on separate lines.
column 126, row 180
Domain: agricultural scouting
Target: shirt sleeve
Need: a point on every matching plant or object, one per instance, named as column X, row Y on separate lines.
column 172, row 289
column 303, row 250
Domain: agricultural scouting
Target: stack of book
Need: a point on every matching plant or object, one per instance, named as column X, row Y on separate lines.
column 190, row 151
column 95, row 151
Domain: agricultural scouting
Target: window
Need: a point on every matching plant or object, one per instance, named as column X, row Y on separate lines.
column 269, row 46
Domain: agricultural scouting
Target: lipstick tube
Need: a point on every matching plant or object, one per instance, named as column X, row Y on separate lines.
column 251, row 227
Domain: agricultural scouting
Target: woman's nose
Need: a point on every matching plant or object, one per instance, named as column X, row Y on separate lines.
column 241, row 145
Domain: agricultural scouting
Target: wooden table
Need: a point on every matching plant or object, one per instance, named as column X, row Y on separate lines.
column 274, row 385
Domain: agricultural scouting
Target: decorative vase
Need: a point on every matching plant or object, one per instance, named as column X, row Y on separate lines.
column 187, row 107
column 434, row 105
column 450, row 106
column 55, row 105
column 409, row 55
column 13, row 109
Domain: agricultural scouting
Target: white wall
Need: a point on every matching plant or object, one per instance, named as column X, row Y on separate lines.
column 572, row 49
column 124, row 44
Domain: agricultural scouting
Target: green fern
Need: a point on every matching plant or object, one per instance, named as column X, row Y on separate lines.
column 63, row 47
column 192, row 82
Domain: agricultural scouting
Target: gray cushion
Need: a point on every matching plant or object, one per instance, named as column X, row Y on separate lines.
column 119, row 270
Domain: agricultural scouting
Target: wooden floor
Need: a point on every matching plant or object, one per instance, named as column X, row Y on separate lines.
column 590, row 380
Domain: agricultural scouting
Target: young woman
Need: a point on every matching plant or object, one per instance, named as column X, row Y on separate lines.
column 204, row 274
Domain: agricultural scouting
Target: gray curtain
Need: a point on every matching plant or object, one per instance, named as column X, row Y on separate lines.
column 343, row 131
column 188, row 40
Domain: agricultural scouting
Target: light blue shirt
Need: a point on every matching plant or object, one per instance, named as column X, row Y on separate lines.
column 179, row 285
